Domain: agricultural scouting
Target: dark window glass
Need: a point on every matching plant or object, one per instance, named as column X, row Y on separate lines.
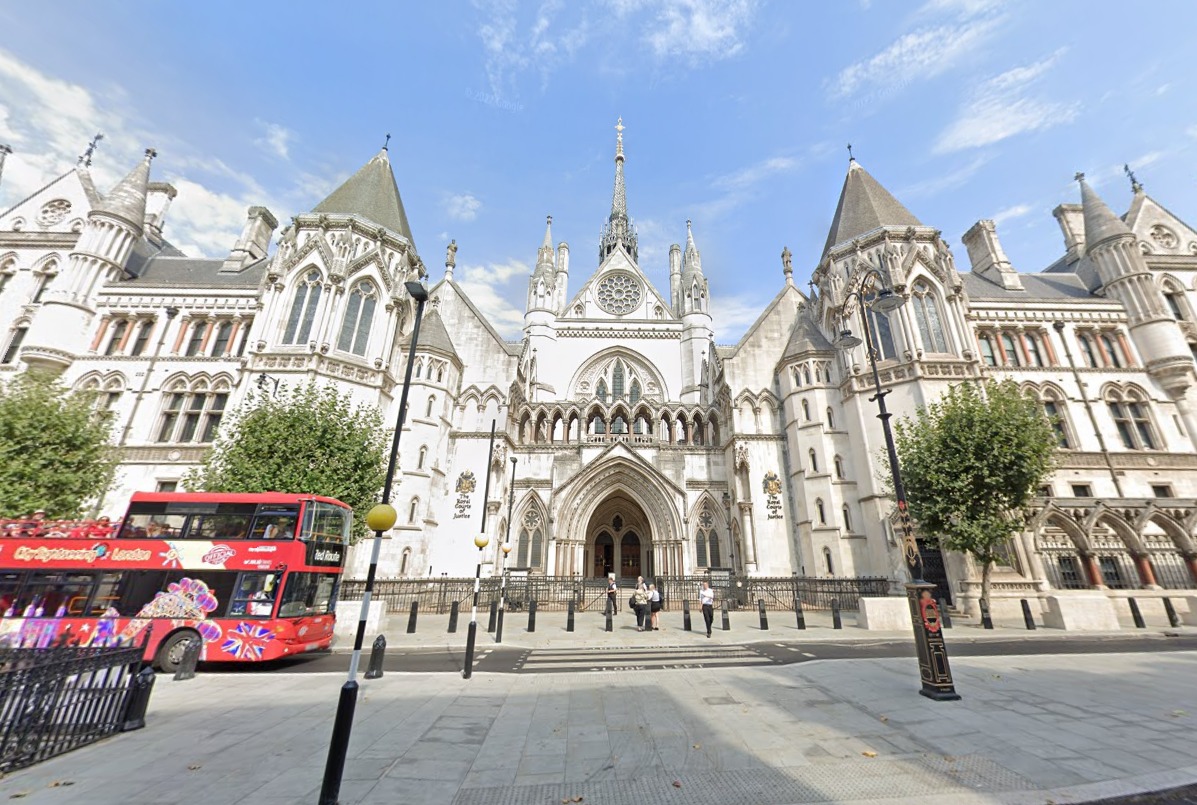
column 254, row 595
column 307, row 594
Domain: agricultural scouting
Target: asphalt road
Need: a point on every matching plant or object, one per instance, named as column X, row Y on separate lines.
column 696, row 654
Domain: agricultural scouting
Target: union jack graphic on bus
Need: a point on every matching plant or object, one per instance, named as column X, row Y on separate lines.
column 247, row 641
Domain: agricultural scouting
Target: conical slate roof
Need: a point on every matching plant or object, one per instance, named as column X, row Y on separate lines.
column 864, row 206
column 433, row 335
column 372, row 194
column 127, row 199
column 806, row 337
column 1100, row 221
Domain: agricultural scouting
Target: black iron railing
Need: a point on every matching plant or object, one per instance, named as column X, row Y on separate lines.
column 590, row 594
column 53, row 700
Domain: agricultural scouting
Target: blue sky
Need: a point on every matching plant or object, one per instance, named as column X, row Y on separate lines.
column 737, row 116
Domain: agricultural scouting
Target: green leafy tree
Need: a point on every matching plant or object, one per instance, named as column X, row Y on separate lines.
column 54, row 447
column 971, row 462
column 307, row 440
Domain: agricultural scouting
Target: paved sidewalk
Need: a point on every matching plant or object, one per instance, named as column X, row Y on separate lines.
column 1028, row 730
column 432, row 631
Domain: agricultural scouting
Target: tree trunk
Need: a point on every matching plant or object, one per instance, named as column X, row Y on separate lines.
column 986, row 572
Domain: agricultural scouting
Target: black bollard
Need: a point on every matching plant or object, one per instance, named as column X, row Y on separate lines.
column 138, row 699
column 1173, row 618
column 569, row 618
column 944, row 618
column 726, row 620
column 454, row 610
column 1027, row 616
column 836, row 623
column 686, row 615
column 798, row 613
column 411, row 619
column 377, row 652
column 760, row 606
column 986, row 621
column 494, row 614
column 532, row 616
column 1136, row 614
column 186, row 669
column 609, row 625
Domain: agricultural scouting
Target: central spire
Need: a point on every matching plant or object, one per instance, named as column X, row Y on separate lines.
column 618, row 230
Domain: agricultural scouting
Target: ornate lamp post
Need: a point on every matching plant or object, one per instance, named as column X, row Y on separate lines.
column 506, row 550
column 380, row 518
column 934, row 670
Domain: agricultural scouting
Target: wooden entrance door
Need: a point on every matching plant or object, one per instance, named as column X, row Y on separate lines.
column 604, row 556
column 629, row 556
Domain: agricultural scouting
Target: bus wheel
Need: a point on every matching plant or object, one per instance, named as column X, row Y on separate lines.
column 170, row 653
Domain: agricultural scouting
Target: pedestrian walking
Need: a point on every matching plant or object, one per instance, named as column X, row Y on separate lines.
column 706, row 597
column 654, row 606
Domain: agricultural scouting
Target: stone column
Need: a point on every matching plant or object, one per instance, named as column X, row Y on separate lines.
column 1191, row 561
column 1146, row 572
column 1038, row 572
column 748, row 529
column 1096, row 580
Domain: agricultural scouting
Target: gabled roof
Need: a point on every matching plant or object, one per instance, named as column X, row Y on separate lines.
column 805, row 338
column 372, row 194
column 864, row 206
column 433, row 335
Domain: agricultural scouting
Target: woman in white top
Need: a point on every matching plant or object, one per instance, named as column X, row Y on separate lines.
column 706, row 597
column 654, row 606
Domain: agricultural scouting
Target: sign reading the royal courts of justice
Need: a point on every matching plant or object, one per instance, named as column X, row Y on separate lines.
column 465, row 487
column 772, row 487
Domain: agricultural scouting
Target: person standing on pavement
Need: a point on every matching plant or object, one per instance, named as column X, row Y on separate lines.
column 654, row 606
column 706, row 597
column 640, row 603
column 612, row 594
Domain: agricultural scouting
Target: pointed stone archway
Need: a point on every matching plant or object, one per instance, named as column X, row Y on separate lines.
column 618, row 482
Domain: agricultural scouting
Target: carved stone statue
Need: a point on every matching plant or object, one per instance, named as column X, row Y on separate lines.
column 786, row 260
column 451, row 253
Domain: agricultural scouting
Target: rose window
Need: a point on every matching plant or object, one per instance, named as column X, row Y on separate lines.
column 619, row 294
column 1163, row 236
column 53, row 211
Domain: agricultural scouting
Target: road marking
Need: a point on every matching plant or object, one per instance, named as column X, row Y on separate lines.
column 807, row 654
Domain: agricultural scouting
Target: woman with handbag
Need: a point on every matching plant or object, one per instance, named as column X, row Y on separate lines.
column 640, row 604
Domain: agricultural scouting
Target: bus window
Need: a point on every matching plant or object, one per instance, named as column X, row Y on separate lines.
column 153, row 526
column 219, row 526
column 53, row 595
column 107, row 595
column 324, row 522
column 275, row 522
column 307, row 594
column 10, row 585
column 255, row 594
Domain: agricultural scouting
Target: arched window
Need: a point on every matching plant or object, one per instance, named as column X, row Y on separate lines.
column 403, row 561
column 420, row 459
column 192, row 412
column 142, row 339
column 1033, row 342
column 926, row 315
column 987, row 351
column 303, row 309
column 806, row 410
column 431, row 403
column 1054, row 408
column 359, row 314
column 196, row 341
column 440, row 374
column 220, row 344
column 14, row 344
column 46, row 276
column 821, row 510
column 617, row 380
column 702, row 539
column 1010, row 350
column 1133, row 420
column 847, row 518
column 806, row 375
column 413, row 510
column 839, row 468
column 827, row 562
column 530, row 548
column 830, row 419
column 634, row 396
column 814, row 460
column 119, row 328
column 883, row 335
column 419, row 367
column 1175, row 297
column 600, row 390
column 1113, row 351
column 1088, row 350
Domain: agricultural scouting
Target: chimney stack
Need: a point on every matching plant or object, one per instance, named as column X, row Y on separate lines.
column 254, row 242
column 1071, row 218
column 987, row 257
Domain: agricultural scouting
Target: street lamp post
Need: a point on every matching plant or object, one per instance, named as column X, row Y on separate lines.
column 379, row 519
column 506, row 550
column 481, row 540
column 934, row 669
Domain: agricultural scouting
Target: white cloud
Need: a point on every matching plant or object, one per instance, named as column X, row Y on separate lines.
column 1000, row 109
column 486, row 283
column 915, row 56
column 736, row 315
column 937, row 184
column 275, row 139
column 740, row 185
column 462, row 206
column 1010, row 213
column 700, row 30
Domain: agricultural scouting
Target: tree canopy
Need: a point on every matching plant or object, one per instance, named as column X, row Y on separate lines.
column 971, row 462
column 307, row 439
column 54, row 447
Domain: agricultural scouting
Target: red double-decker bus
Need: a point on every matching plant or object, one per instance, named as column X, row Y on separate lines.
column 250, row 576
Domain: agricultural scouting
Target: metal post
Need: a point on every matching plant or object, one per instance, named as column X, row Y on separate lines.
column 494, row 613
column 836, row 623
column 338, row 746
column 454, row 611
column 141, row 685
column 726, row 619
column 943, row 613
column 760, row 605
column 798, row 613
column 532, row 615
column 1027, row 617
column 506, row 550
column 608, row 625
column 377, row 653
column 569, row 618
column 186, row 669
column 481, row 541
column 411, row 618
column 1173, row 618
column 686, row 625
column 1136, row 615
column 986, row 620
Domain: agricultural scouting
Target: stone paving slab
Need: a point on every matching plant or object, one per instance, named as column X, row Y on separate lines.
column 1086, row 727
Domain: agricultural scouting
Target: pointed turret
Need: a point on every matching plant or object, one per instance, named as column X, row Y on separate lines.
column 618, row 230
column 691, row 259
column 1101, row 223
column 544, row 255
column 697, row 334
column 127, row 199
column 864, row 206
column 371, row 193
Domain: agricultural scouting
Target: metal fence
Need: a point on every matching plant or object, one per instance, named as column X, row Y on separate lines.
column 590, row 594
column 53, row 700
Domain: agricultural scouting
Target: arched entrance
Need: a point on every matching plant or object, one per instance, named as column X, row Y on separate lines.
column 619, row 539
